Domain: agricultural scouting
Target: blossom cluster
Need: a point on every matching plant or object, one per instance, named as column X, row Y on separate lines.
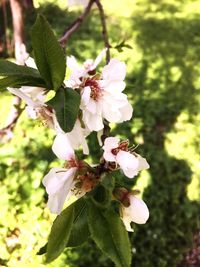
column 102, row 100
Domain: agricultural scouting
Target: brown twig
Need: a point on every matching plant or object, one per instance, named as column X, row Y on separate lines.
column 7, row 132
column 76, row 24
column 106, row 129
column 104, row 29
column 20, row 55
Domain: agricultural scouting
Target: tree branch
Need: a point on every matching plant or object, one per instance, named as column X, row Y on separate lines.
column 106, row 129
column 104, row 29
column 20, row 55
column 6, row 133
column 76, row 24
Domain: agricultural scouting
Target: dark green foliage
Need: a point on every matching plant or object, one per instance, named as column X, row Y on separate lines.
column 166, row 43
column 80, row 232
column 17, row 76
column 60, row 233
column 48, row 54
column 158, row 101
column 109, row 233
column 66, row 104
column 8, row 68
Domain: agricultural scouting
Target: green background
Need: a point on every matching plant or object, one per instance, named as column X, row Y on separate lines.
column 163, row 70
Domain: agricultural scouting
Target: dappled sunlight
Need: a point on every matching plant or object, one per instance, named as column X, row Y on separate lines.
column 163, row 85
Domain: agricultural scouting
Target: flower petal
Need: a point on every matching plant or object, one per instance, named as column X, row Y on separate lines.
column 143, row 164
column 24, row 97
column 110, row 143
column 99, row 135
column 114, row 71
column 139, row 210
column 30, row 62
column 99, row 59
column 126, row 217
column 113, row 86
column 108, row 156
column 128, row 163
column 77, row 137
column 126, row 112
column 31, row 112
column 93, row 121
column 62, row 147
column 110, row 112
column 85, row 97
column 58, row 183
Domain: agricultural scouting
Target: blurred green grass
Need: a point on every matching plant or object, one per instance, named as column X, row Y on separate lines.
column 163, row 70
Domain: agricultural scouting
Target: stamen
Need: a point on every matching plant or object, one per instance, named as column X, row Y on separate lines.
column 89, row 181
column 122, row 146
column 95, row 88
column 72, row 163
column 45, row 114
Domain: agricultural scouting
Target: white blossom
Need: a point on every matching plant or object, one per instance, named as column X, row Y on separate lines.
column 66, row 142
column 33, row 96
column 30, row 62
column 36, row 108
column 59, row 183
column 62, row 147
column 78, row 71
column 137, row 212
column 101, row 96
column 131, row 164
column 77, row 137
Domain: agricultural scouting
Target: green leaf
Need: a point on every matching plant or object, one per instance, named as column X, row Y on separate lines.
column 16, row 76
column 8, row 68
column 42, row 250
column 80, row 231
column 108, row 181
column 102, row 194
column 122, row 45
column 110, row 235
column 66, row 103
column 18, row 81
column 48, row 54
column 60, row 233
column 101, row 197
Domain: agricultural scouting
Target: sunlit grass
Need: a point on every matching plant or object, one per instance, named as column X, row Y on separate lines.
column 182, row 144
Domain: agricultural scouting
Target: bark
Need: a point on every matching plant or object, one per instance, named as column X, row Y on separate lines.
column 20, row 55
column 3, row 23
column 28, row 4
column 18, row 31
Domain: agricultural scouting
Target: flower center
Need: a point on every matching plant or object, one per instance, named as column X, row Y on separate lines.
column 72, row 163
column 95, row 88
column 88, row 181
column 122, row 146
column 45, row 114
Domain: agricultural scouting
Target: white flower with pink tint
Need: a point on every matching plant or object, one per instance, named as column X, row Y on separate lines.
column 60, row 183
column 116, row 151
column 74, row 139
column 36, row 108
column 34, row 98
column 102, row 98
column 137, row 212
column 77, row 72
column 102, row 95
